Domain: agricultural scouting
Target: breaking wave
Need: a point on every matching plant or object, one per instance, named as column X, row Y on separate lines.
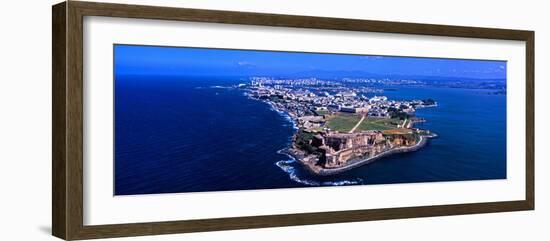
column 219, row 87
column 290, row 167
column 284, row 115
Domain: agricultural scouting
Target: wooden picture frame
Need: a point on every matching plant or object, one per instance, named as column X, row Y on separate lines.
column 67, row 150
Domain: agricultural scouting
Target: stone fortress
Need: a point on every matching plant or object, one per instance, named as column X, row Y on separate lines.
column 339, row 148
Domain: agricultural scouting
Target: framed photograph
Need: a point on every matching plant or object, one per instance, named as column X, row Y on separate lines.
column 171, row 120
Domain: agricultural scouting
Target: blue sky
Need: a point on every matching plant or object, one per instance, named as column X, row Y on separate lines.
column 178, row 61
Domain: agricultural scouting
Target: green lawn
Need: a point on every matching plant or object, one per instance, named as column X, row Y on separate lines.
column 380, row 124
column 322, row 112
column 342, row 122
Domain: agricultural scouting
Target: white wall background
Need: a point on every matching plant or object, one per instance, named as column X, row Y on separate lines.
column 25, row 119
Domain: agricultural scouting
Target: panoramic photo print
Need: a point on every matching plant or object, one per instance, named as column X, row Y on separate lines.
column 193, row 119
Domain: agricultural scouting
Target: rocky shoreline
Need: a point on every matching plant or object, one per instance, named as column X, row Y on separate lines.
column 318, row 170
column 310, row 164
column 330, row 145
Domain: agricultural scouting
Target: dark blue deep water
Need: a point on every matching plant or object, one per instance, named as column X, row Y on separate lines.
column 185, row 135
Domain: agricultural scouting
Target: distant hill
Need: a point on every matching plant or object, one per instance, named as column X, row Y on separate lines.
column 364, row 74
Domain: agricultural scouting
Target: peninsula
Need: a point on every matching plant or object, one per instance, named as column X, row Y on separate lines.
column 338, row 127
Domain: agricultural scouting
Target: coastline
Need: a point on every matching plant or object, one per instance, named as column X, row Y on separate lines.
column 283, row 113
column 318, row 170
column 298, row 155
column 310, row 164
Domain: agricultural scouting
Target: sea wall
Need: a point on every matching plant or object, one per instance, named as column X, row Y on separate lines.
column 360, row 162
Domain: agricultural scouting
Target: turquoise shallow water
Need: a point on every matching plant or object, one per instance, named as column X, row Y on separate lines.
column 174, row 135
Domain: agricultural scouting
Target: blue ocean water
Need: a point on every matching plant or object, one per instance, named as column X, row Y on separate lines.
column 190, row 135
